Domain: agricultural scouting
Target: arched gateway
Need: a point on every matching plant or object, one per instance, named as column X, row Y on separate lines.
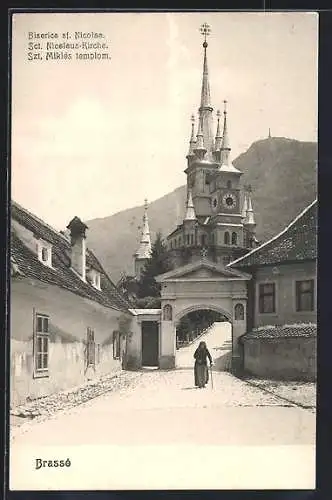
column 201, row 285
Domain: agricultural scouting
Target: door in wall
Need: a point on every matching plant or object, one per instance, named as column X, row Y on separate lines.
column 150, row 343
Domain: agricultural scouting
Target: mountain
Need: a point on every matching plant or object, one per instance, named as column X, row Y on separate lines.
column 281, row 171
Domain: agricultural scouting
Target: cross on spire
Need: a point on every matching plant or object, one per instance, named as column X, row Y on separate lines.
column 205, row 30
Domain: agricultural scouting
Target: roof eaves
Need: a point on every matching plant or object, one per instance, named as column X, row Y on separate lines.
column 274, row 238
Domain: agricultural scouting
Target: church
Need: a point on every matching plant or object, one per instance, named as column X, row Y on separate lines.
column 219, row 220
column 219, row 265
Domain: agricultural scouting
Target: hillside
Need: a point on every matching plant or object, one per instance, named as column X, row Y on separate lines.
column 282, row 173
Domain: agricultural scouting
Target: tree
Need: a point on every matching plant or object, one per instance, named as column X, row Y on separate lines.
column 158, row 263
column 128, row 286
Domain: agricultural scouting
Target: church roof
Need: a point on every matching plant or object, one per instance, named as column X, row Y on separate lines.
column 296, row 243
column 25, row 262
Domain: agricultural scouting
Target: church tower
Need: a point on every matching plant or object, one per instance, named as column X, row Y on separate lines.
column 215, row 224
column 143, row 252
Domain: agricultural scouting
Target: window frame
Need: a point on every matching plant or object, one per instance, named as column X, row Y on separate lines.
column 90, row 347
column 311, row 292
column 260, row 298
column 116, row 345
column 238, row 306
column 227, row 237
column 41, row 372
column 41, row 246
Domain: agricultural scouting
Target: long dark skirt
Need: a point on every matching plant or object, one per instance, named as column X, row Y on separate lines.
column 201, row 375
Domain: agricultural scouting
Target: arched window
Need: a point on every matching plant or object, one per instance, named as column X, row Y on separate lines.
column 234, row 239
column 239, row 312
column 167, row 313
column 226, row 238
column 229, row 185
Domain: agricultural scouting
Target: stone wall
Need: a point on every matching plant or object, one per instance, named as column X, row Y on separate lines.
column 281, row 358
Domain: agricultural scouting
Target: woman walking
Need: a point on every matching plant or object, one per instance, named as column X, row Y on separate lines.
column 201, row 371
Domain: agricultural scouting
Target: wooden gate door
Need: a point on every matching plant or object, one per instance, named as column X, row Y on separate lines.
column 150, row 343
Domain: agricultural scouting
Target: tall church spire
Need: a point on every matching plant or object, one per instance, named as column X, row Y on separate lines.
column 144, row 248
column 225, row 147
column 192, row 141
column 190, row 210
column 218, row 133
column 200, row 149
column 250, row 218
column 205, row 109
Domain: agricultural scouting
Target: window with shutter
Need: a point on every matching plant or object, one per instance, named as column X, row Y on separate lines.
column 41, row 345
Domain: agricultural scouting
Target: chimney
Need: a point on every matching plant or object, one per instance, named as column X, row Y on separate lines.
column 77, row 230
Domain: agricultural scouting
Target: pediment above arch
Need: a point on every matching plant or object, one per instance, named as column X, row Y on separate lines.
column 203, row 270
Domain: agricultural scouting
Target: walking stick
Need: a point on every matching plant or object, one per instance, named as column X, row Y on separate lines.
column 211, row 376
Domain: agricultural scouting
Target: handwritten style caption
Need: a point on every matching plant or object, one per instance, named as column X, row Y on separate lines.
column 67, row 46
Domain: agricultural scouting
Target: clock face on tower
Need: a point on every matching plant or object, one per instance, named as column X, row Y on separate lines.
column 229, row 201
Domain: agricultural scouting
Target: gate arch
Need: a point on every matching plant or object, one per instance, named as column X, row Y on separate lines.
column 199, row 307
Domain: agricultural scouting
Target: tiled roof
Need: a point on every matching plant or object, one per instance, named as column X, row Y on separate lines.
column 297, row 242
column 60, row 274
column 278, row 332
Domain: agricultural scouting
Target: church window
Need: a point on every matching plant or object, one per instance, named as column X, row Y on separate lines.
column 175, row 243
column 203, row 240
column 234, row 238
column 229, row 185
column 171, row 245
column 167, row 313
column 192, row 239
column 179, row 241
column 226, row 238
column 239, row 312
column 188, row 239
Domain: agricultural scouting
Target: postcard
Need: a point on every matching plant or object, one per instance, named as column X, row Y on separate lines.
column 163, row 250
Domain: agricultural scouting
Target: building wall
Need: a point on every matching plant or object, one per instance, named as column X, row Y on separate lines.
column 134, row 344
column 281, row 358
column 285, row 276
column 69, row 317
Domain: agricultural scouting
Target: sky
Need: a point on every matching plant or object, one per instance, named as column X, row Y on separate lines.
column 92, row 138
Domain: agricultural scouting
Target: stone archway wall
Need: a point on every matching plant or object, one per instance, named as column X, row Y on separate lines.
column 197, row 286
